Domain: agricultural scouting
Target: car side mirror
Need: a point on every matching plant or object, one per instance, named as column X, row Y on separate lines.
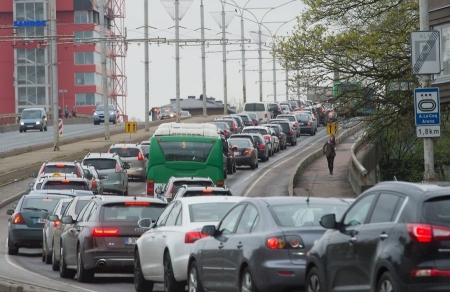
column 67, row 220
column 145, row 223
column 53, row 218
column 14, row 206
column 209, row 230
column 146, row 155
column 10, row 212
column 328, row 221
column 44, row 216
column 89, row 176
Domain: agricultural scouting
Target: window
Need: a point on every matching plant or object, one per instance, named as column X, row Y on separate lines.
column 437, row 210
column 80, row 205
column 31, row 96
column 82, row 58
column 85, row 212
column 87, row 99
column 385, row 207
column 31, row 56
column 229, row 222
column 445, row 53
column 173, row 215
column 248, row 221
column 30, row 11
column 30, row 74
column 85, row 79
column 357, row 214
column 206, row 212
column 162, row 218
column 81, row 16
column 186, row 151
column 85, row 35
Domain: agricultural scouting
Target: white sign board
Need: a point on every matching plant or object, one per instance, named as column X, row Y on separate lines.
column 428, row 131
column 425, row 52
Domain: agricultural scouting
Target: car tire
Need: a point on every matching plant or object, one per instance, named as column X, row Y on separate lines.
column 257, row 164
column 12, row 250
column 55, row 263
column 170, row 283
column 20, row 131
column 41, row 129
column 268, row 157
column 194, row 282
column 83, row 275
column 264, row 159
column 387, row 283
column 253, row 165
column 246, row 282
column 45, row 128
column 64, row 272
column 25, row 131
column 126, row 192
column 314, row 282
column 234, row 167
column 48, row 258
column 311, row 133
column 140, row 284
column 230, row 169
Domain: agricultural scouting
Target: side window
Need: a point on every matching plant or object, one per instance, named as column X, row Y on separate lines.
column 248, row 221
column 87, row 212
column 173, row 215
column 92, row 217
column 357, row 213
column 66, row 213
column 385, row 207
column 229, row 222
column 162, row 218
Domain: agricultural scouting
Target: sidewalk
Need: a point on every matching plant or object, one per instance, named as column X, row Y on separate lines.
column 316, row 178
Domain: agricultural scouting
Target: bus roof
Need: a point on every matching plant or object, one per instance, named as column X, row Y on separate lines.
column 187, row 129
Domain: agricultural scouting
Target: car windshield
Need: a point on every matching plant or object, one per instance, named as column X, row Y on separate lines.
column 167, row 109
column 177, row 185
column 31, row 114
column 128, row 212
column 186, row 150
column 101, row 163
column 259, row 131
column 102, row 108
column 125, row 151
column 240, row 143
column 296, row 215
column 40, row 204
column 205, row 212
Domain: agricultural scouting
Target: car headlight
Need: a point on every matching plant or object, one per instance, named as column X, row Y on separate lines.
column 111, row 113
column 171, row 115
column 22, row 123
column 95, row 114
column 37, row 123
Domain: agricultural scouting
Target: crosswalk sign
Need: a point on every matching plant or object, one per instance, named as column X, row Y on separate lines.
column 332, row 128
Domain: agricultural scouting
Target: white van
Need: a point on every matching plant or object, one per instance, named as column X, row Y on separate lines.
column 259, row 108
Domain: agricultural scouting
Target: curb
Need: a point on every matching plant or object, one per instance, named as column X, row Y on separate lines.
column 8, row 201
column 10, row 287
column 310, row 158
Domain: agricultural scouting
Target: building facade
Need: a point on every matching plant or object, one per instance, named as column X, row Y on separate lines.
column 26, row 61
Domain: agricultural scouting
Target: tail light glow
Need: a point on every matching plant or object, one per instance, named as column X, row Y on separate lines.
column 426, row 233
column 291, row 132
column 140, row 156
column 60, row 165
column 309, row 123
column 150, row 187
column 117, row 168
column 429, row 273
column 193, row 236
column 101, row 232
column 137, row 203
column 18, row 219
column 56, row 223
column 225, row 132
column 94, row 183
column 248, row 152
column 262, row 147
column 284, row 242
column 266, row 116
column 296, row 124
column 219, row 183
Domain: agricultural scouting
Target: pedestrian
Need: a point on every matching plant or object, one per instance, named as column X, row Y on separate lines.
column 74, row 112
column 66, row 111
column 60, row 112
column 329, row 149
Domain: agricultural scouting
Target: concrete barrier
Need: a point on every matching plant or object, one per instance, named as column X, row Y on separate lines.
column 15, row 127
column 313, row 156
column 362, row 177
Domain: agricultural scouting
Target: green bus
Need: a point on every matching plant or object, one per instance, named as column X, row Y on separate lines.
column 185, row 150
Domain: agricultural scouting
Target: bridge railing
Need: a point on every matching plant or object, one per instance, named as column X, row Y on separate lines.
column 359, row 176
column 12, row 119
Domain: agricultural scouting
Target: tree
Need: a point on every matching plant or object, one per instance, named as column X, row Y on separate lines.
column 368, row 43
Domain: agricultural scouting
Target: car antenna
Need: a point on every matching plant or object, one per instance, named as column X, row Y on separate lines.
column 310, row 191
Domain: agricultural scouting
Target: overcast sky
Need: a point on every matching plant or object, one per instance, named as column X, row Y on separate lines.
column 162, row 57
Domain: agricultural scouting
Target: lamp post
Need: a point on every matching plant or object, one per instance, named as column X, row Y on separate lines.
column 202, row 22
column 147, row 75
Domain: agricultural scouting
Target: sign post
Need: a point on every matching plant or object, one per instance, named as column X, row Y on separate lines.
column 131, row 127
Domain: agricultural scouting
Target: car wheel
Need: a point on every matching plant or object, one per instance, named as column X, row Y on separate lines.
column 257, row 164
column 194, row 281
column 13, row 251
column 268, row 157
column 313, row 281
column 48, row 257
column 45, row 128
column 225, row 173
column 170, row 284
column 55, row 263
column 234, row 166
column 83, row 275
column 311, row 133
column 247, row 284
column 20, row 131
column 126, row 192
column 264, row 159
column 230, row 169
column 63, row 271
column 41, row 129
column 253, row 165
column 387, row 284
column 25, row 131
column 140, row 284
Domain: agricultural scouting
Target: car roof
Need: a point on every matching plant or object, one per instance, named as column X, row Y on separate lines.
column 422, row 190
column 128, row 145
column 121, row 199
column 209, row 199
column 43, row 196
column 283, row 200
column 190, row 178
column 255, row 127
column 61, row 162
column 73, row 193
column 62, row 177
column 101, row 155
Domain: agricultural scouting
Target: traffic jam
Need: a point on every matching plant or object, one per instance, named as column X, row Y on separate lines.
column 188, row 231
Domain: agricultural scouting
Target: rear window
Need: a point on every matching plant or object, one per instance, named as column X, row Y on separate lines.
column 258, row 107
column 122, row 212
column 145, row 148
column 240, row 143
column 207, row 192
column 60, row 169
column 259, row 131
column 222, row 126
column 186, row 151
column 208, row 211
column 80, row 205
column 437, row 210
column 296, row 215
column 178, row 184
column 303, row 118
column 245, row 118
column 285, row 127
column 42, row 204
column 276, row 129
column 125, row 151
column 101, row 163
column 60, row 185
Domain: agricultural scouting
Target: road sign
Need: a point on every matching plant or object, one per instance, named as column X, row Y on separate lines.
column 425, row 52
column 427, row 107
column 131, row 127
column 428, row 131
column 332, row 128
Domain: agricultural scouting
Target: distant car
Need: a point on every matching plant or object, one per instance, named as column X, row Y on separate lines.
column 285, row 109
column 239, row 122
column 293, row 119
column 145, row 146
column 288, row 129
column 94, row 179
column 246, row 118
column 267, row 135
column 33, row 119
column 162, row 253
column 65, row 183
column 99, row 114
column 307, row 124
column 174, row 183
column 190, row 191
column 224, row 127
column 103, row 236
column 27, row 220
column 185, row 114
column 244, row 152
column 279, row 132
column 259, row 143
column 61, row 168
column 134, row 156
column 260, row 245
column 167, row 112
column 231, row 123
column 255, row 119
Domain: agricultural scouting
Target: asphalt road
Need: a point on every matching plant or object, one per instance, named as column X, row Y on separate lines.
column 270, row 179
column 13, row 140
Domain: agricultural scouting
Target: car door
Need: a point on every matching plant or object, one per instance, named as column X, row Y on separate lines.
column 147, row 248
column 212, row 254
column 234, row 247
column 340, row 250
column 373, row 237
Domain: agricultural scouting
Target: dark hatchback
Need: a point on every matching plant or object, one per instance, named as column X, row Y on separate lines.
column 260, row 244
column 224, row 127
column 244, row 152
column 102, row 238
column 231, row 123
column 280, row 134
column 258, row 142
column 28, row 219
column 291, row 137
column 394, row 237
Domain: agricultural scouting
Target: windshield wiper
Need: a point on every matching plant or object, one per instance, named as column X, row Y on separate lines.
column 35, row 209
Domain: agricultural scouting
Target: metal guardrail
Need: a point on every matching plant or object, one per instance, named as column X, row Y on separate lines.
column 11, row 119
column 357, row 165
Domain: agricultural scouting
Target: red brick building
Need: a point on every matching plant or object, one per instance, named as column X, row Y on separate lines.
column 25, row 60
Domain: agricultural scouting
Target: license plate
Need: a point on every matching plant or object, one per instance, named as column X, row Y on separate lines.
column 30, row 126
column 301, row 124
column 236, row 153
column 39, row 220
column 131, row 240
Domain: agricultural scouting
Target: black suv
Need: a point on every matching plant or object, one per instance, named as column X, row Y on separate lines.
column 394, row 237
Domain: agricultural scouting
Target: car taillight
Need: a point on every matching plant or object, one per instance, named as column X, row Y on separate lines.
column 56, row 223
column 193, row 236
column 296, row 124
column 248, row 152
column 280, row 136
column 291, row 132
column 94, row 184
column 18, row 219
column 429, row 273
column 266, row 116
column 262, row 147
column 117, row 168
column 309, row 123
column 169, row 194
column 219, row 183
column 225, row 132
column 282, row 242
column 150, row 187
column 255, row 122
column 140, row 156
column 100, row 232
column 426, row 233
column 233, row 126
